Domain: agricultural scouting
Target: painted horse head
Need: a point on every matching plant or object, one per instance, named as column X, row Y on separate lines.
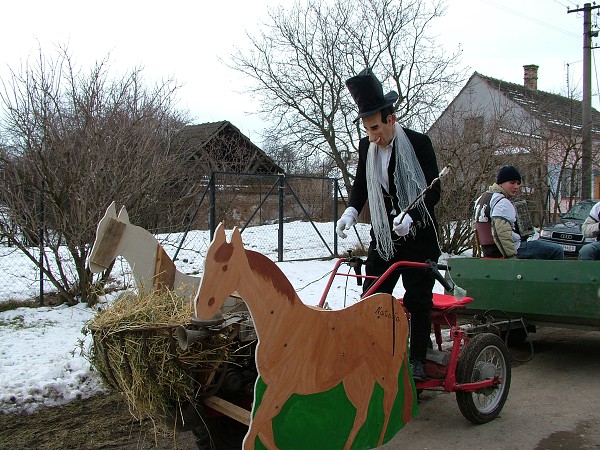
column 222, row 272
column 107, row 245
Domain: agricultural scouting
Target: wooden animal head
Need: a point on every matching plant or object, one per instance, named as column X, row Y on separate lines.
column 108, row 236
column 222, row 272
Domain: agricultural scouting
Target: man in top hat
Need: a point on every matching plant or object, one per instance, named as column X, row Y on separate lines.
column 496, row 223
column 395, row 165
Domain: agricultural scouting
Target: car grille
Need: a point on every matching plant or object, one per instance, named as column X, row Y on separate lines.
column 567, row 237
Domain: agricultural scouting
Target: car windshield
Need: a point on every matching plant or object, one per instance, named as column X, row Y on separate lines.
column 579, row 212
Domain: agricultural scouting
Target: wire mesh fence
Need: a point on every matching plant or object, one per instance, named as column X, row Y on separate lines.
column 284, row 218
column 274, row 210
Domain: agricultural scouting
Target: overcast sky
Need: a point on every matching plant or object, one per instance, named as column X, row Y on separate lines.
column 185, row 39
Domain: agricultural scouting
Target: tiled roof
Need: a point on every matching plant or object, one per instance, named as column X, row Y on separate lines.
column 553, row 109
column 202, row 136
column 203, row 133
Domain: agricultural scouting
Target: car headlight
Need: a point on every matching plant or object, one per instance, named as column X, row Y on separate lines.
column 546, row 233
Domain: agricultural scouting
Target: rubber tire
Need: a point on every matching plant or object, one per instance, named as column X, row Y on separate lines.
column 488, row 352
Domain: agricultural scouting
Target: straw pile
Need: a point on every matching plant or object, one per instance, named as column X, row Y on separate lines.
column 135, row 351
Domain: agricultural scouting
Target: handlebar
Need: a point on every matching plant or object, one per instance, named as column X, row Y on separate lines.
column 357, row 262
column 429, row 265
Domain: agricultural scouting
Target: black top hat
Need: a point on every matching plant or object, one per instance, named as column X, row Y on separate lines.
column 367, row 92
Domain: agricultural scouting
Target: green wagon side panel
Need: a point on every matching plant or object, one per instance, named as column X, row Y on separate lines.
column 560, row 292
column 324, row 420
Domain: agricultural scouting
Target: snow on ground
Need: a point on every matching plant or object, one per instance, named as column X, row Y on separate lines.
column 41, row 363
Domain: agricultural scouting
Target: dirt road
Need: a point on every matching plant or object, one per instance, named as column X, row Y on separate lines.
column 102, row 422
column 553, row 403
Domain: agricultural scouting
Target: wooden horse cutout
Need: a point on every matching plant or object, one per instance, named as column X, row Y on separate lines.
column 151, row 266
column 306, row 350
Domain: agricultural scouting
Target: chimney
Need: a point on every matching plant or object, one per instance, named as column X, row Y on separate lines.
column 530, row 77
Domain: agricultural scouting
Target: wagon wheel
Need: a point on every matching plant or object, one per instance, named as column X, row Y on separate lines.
column 485, row 356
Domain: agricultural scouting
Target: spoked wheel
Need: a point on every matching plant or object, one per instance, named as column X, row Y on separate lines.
column 484, row 357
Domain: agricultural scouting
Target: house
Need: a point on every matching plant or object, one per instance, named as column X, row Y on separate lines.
column 492, row 122
column 221, row 147
column 225, row 162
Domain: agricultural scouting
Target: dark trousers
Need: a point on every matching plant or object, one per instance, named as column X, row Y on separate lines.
column 418, row 284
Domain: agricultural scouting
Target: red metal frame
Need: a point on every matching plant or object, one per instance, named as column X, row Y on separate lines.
column 443, row 314
column 380, row 279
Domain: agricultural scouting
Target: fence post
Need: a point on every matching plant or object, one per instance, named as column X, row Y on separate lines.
column 212, row 210
column 41, row 239
column 335, row 215
column 281, row 206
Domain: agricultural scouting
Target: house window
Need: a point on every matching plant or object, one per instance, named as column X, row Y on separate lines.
column 473, row 129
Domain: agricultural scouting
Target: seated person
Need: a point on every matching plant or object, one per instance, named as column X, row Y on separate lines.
column 497, row 226
column 591, row 228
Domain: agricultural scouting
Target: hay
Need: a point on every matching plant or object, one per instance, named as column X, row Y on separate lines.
column 136, row 353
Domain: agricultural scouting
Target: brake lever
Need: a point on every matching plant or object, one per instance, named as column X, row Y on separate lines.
column 356, row 263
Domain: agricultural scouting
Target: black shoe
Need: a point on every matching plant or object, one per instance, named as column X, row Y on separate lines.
column 418, row 370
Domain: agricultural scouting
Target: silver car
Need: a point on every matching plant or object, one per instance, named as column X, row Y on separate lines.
column 567, row 232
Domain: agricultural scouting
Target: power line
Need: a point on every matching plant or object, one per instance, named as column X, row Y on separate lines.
column 566, row 6
column 596, row 75
column 529, row 18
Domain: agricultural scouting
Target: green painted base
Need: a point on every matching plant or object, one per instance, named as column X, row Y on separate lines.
column 324, row 420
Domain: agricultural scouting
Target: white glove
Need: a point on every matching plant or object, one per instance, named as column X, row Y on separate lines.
column 347, row 221
column 402, row 227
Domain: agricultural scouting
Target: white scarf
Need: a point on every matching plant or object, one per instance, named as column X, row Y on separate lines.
column 409, row 181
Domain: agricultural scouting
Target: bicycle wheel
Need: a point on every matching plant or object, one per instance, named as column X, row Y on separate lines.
column 485, row 356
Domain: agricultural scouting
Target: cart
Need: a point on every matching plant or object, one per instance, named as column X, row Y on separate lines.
column 473, row 362
column 538, row 292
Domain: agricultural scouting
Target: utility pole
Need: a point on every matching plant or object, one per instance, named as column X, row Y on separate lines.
column 586, row 104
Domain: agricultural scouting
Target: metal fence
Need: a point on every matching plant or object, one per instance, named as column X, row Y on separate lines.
column 287, row 218
column 279, row 207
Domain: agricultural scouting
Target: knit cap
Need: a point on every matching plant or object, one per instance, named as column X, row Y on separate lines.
column 508, row 173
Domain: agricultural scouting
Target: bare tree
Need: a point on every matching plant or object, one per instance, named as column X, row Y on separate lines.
column 471, row 155
column 298, row 65
column 75, row 142
column 293, row 163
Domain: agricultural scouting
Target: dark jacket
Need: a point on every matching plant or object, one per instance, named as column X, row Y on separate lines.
column 427, row 159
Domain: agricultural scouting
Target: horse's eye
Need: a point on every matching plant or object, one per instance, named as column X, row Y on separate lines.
column 211, row 301
column 224, row 268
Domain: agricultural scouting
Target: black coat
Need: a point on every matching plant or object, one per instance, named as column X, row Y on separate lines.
column 427, row 160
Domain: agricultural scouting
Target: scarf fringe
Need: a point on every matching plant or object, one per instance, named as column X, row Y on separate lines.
column 409, row 181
